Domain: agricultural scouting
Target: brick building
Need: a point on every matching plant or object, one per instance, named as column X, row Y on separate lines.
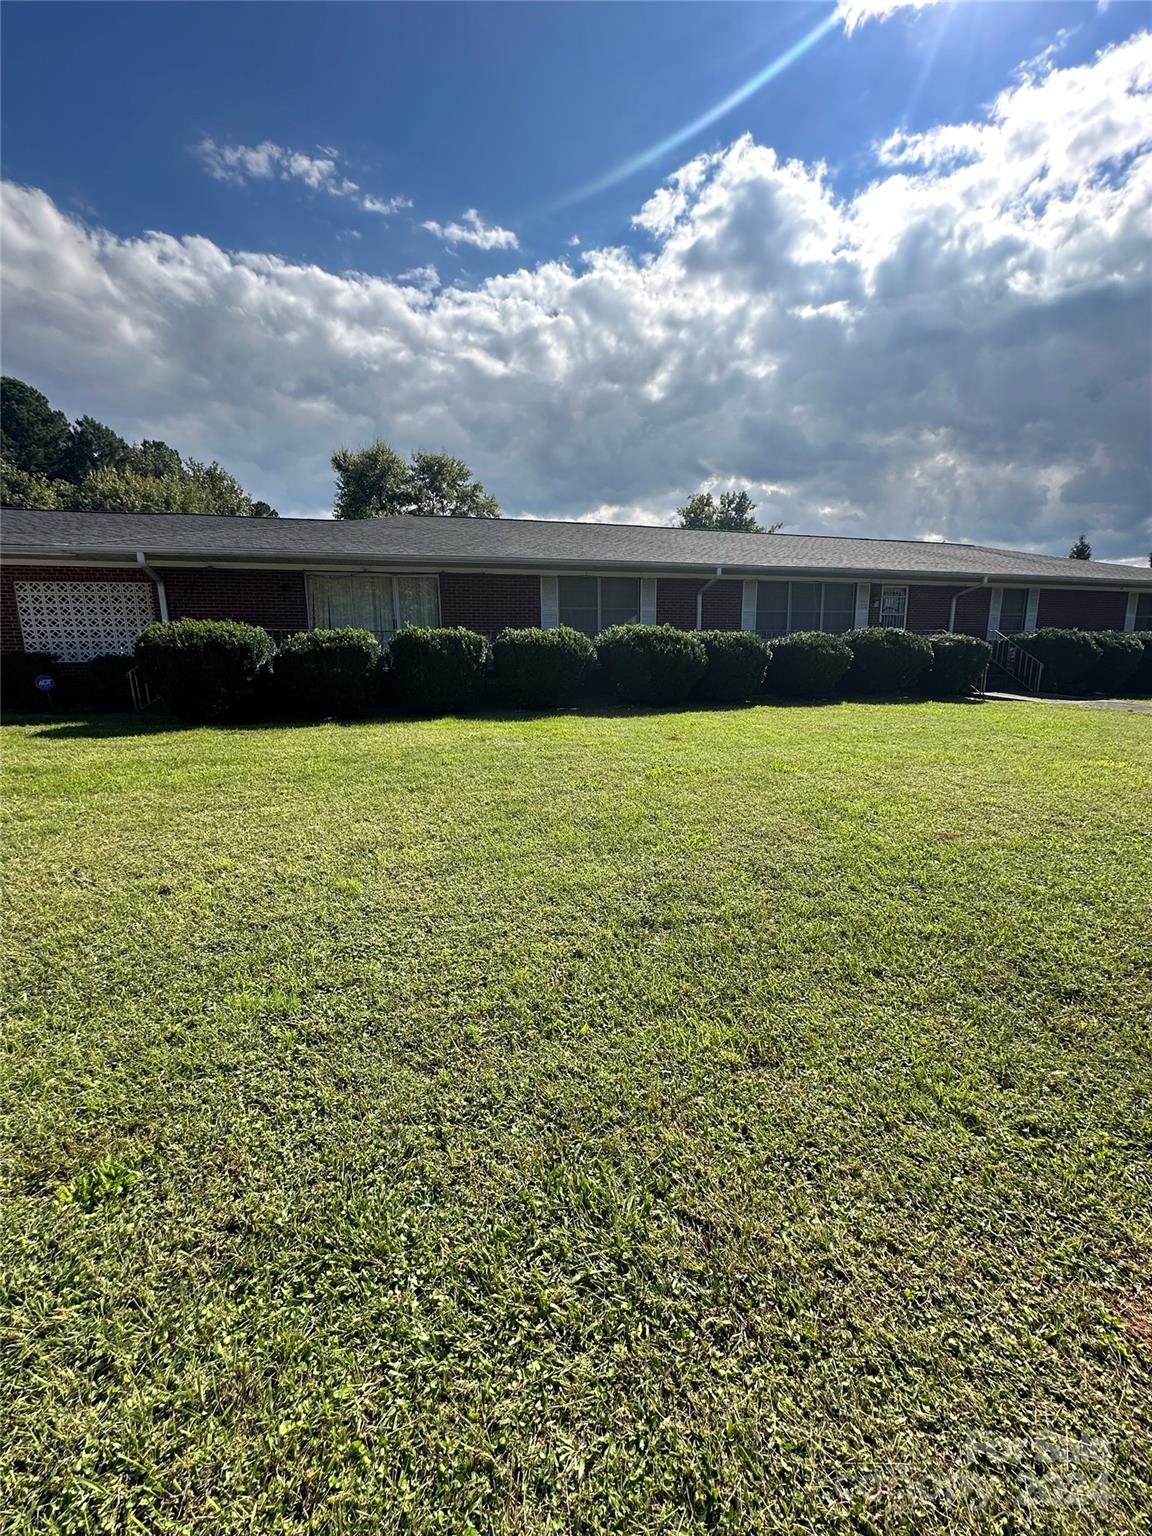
column 78, row 584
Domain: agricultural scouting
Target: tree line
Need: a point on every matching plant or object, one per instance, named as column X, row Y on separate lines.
column 85, row 466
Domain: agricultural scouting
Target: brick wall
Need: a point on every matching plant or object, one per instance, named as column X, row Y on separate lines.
column 274, row 599
column 972, row 613
column 676, row 603
column 929, row 608
column 10, row 636
column 489, row 604
column 1080, row 610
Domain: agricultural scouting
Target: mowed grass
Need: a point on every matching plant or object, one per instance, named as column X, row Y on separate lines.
column 671, row 1122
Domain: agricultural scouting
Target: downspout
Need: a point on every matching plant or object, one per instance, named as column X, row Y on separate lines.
column 980, row 585
column 161, row 595
column 711, row 582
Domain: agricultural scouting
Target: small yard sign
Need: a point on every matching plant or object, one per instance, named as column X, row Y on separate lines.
column 45, row 683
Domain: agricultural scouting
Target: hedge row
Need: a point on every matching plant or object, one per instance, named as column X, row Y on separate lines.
column 220, row 669
column 1089, row 660
column 217, row 669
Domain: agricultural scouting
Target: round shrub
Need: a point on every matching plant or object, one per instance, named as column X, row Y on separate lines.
column 651, row 663
column 808, row 664
column 958, row 663
column 1120, row 656
column 18, row 673
column 204, row 669
column 887, row 660
column 107, row 682
column 737, row 661
column 323, row 672
column 437, row 671
column 1068, row 656
column 538, row 668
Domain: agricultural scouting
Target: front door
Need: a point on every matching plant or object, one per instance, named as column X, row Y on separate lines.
column 893, row 607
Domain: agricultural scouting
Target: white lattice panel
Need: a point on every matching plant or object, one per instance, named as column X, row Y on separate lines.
column 73, row 620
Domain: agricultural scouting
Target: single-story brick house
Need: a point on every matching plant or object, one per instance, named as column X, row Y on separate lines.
column 77, row 584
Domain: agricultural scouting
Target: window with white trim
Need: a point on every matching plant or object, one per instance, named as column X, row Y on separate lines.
column 76, row 620
column 1143, row 611
column 783, row 607
column 593, row 603
column 380, row 603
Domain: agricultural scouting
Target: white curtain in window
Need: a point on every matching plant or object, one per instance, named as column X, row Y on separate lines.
column 417, row 601
column 379, row 603
column 351, row 602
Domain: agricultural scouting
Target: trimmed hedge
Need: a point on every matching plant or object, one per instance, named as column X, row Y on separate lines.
column 651, row 663
column 958, row 663
column 18, row 673
column 1140, row 683
column 808, row 664
column 1069, row 656
column 107, row 682
column 887, row 660
column 538, row 668
column 737, row 661
column 204, row 669
column 436, row 671
column 323, row 672
column 1120, row 655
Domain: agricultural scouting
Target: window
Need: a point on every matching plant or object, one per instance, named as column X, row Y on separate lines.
column 1143, row 611
column 382, row 604
column 783, row 607
column 893, row 607
column 76, row 620
column 592, row 603
column 1013, row 610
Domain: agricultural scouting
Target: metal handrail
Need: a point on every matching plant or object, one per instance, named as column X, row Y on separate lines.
column 1018, row 664
column 142, row 695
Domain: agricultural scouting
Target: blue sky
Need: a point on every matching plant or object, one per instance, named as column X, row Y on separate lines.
column 323, row 141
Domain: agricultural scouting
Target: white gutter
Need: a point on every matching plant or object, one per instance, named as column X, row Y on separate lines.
column 980, row 585
column 700, row 591
column 161, row 594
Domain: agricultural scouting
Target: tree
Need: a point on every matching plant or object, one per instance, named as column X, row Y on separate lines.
column 123, row 490
column 376, row 482
column 370, row 482
column 441, row 486
column 1081, row 550
column 731, row 514
column 20, row 489
column 153, row 457
column 33, row 436
column 262, row 509
column 212, row 490
column 92, row 445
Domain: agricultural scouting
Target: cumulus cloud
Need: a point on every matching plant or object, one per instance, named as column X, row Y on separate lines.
column 240, row 163
column 960, row 348
column 472, row 230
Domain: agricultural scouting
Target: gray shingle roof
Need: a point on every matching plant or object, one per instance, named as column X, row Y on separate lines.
column 446, row 543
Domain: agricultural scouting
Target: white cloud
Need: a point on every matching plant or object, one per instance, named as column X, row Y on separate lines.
column 854, row 13
column 425, row 278
column 472, row 230
column 238, row 163
column 959, row 349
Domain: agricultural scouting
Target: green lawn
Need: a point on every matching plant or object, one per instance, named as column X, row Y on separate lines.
column 706, row 1121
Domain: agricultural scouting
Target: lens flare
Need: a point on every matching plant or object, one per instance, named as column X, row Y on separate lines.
column 742, row 92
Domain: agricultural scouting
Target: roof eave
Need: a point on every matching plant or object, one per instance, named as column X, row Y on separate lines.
column 1118, row 576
